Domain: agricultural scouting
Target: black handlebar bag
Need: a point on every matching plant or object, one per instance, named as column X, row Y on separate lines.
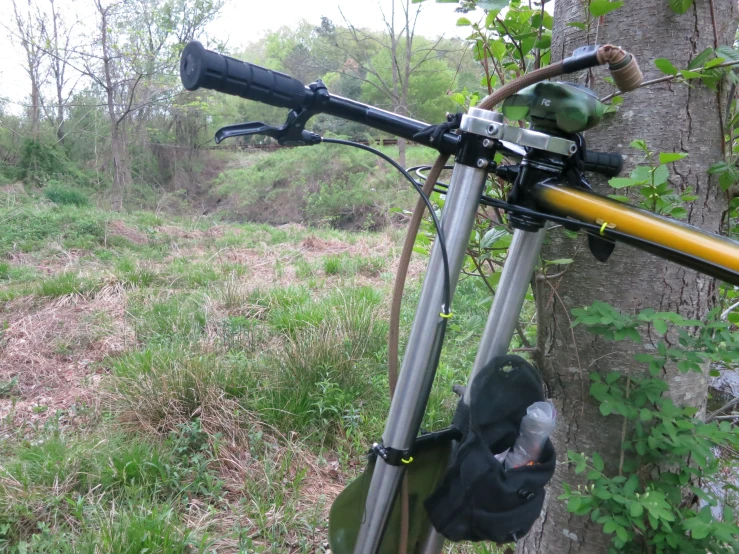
column 478, row 499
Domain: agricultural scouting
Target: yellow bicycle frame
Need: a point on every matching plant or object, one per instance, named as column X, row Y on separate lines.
column 687, row 245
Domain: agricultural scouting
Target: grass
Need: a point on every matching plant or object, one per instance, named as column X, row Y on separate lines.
column 60, row 194
column 64, row 284
column 227, row 374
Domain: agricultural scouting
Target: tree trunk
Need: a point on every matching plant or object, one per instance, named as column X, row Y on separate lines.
column 35, row 110
column 671, row 118
column 121, row 170
column 118, row 149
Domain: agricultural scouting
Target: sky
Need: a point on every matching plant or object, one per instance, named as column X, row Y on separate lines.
column 240, row 22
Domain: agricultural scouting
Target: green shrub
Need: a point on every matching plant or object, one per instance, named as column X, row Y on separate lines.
column 345, row 188
column 41, row 160
column 59, row 194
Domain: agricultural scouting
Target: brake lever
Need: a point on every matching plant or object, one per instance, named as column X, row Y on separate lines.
column 291, row 133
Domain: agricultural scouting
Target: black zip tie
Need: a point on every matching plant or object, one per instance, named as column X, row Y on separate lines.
column 392, row 456
column 436, row 132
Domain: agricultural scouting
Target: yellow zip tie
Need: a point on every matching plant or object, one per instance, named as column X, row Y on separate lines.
column 603, row 228
column 446, row 316
column 409, row 460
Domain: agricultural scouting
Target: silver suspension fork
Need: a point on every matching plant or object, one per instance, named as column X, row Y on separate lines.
column 421, row 353
column 523, row 255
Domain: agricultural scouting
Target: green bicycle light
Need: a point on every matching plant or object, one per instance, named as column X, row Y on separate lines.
column 563, row 107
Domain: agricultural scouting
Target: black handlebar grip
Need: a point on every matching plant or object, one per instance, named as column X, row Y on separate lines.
column 201, row 68
column 604, row 163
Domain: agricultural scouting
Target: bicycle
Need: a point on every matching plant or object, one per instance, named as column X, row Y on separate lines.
column 548, row 185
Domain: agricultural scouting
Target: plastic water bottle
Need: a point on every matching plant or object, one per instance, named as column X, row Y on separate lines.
column 536, row 426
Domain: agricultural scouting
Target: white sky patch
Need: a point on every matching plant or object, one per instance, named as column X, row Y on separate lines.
column 240, row 22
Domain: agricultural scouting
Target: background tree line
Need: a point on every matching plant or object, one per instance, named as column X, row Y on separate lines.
column 105, row 109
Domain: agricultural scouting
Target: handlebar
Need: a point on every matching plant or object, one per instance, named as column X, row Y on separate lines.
column 201, row 68
column 605, row 163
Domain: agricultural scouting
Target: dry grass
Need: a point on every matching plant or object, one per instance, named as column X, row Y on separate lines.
column 51, row 350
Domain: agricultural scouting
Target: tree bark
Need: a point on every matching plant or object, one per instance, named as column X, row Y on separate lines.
column 671, row 118
column 118, row 148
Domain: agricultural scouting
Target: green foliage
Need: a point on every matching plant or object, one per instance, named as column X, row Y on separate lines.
column 41, row 160
column 667, row 448
column 59, row 194
column 334, row 185
column 653, row 184
column 689, row 344
column 708, row 66
column 512, row 42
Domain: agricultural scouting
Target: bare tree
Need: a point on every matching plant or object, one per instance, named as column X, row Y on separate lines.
column 56, row 36
column 398, row 43
column 28, row 24
column 132, row 60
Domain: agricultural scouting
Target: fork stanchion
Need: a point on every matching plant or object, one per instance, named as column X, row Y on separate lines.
column 422, row 353
column 523, row 255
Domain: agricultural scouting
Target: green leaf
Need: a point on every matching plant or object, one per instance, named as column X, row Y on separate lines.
column 640, row 144
column 609, row 527
column 491, row 237
column 636, row 509
column 728, row 52
column 602, row 7
column 612, row 377
column 498, row 49
column 714, row 62
column 701, row 59
column 663, row 64
column 622, row 534
column 661, row 174
column 680, row 6
column 605, row 408
column 645, row 415
column 660, row 326
column 598, row 461
column 622, row 182
column 687, row 74
column 463, row 22
column 577, row 25
column 574, row 503
column 619, row 197
column 669, row 157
